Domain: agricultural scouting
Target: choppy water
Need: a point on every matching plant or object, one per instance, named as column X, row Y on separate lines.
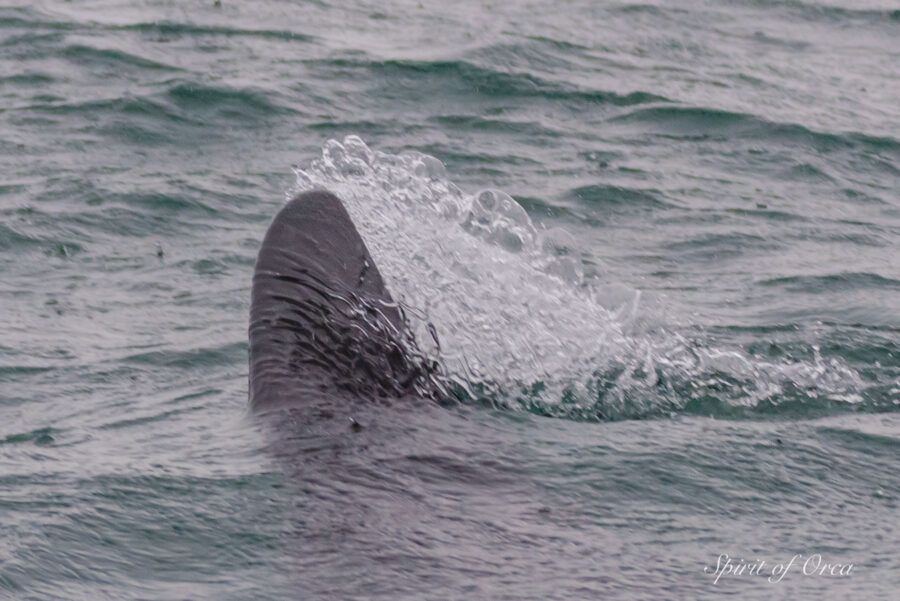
column 686, row 345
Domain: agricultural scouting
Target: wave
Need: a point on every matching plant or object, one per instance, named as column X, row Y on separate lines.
column 620, row 199
column 161, row 117
column 131, row 106
column 222, row 355
column 28, row 78
column 89, row 55
column 834, row 282
column 29, row 18
column 499, row 126
column 466, row 76
column 716, row 123
column 822, row 12
column 171, row 28
column 225, row 101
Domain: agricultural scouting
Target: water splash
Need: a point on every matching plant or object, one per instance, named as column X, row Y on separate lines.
column 517, row 322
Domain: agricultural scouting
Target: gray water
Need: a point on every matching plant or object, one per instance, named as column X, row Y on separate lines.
column 686, row 346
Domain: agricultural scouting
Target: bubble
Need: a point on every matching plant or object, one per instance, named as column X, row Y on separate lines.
column 499, row 219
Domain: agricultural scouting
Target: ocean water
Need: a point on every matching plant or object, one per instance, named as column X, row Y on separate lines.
column 655, row 247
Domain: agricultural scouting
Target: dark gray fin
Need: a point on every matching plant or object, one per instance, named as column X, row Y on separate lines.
column 321, row 319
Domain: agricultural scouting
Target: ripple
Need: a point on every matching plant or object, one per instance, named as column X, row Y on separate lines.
column 133, row 106
column 834, row 282
column 29, row 78
column 170, row 28
column 831, row 13
column 464, row 76
column 117, row 59
column 720, row 124
column 224, row 355
column 29, row 18
column 619, row 199
column 225, row 101
column 41, row 436
column 718, row 246
column 499, row 126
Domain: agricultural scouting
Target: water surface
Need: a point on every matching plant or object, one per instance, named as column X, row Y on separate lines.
column 686, row 345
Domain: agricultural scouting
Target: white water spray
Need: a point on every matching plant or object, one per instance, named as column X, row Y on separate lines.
column 510, row 307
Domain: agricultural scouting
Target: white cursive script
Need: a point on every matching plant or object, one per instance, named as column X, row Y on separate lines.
column 812, row 565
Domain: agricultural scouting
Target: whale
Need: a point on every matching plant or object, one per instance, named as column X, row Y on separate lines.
column 322, row 322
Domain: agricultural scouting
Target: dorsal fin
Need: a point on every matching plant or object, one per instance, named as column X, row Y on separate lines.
column 320, row 315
